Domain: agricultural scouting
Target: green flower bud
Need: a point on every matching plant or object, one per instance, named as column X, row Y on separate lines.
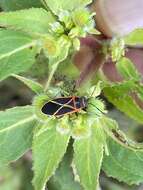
column 65, row 17
column 63, row 40
column 117, row 48
column 57, row 28
column 38, row 103
column 81, row 17
column 81, row 128
column 47, row 125
column 50, row 46
column 89, row 27
column 63, row 126
column 77, row 32
column 76, row 44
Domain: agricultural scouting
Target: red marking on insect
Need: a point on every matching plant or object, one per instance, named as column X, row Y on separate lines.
column 64, row 105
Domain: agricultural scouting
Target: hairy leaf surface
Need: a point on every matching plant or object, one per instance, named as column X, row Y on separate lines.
column 11, row 5
column 48, row 150
column 88, row 154
column 64, row 178
column 120, row 96
column 127, row 69
column 17, row 51
column 33, row 85
column 16, row 131
column 123, row 164
column 34, row 20
column 57, row 6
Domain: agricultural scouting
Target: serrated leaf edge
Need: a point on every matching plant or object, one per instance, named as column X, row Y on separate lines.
column 27, row 80
column 119, row 179
column 54, row 169
column 75, row 171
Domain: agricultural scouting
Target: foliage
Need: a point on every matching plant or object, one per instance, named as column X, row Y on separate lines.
column 15, row 132
column 124, row 164
column 53, row 30
column 16, row 5
column 135, row 37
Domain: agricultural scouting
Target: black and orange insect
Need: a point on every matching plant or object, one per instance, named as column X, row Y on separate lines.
column 64, row 105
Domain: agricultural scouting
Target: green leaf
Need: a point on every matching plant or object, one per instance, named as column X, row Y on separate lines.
column 123, row 164
column 34, row 20
column 135, row 37
column 17, row 52
column 57, row 6
column 140, row 91
column 121, row 89
column 63, row 178
column 88, row 154
column 48, row 150
column 34, row 86
column 16, row 126
column 18, row 4
column 120, row 96
column 127, row 69
column 112, row 130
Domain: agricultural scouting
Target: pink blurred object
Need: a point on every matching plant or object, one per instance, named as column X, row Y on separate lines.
column 113, row 17
column 135, row 55
column 118, row 17
column 88, row 59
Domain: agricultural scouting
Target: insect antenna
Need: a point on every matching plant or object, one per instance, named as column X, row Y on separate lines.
column 97, row 108
column 93, row 91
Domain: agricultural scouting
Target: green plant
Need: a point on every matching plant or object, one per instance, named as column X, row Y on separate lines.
column 53, row 30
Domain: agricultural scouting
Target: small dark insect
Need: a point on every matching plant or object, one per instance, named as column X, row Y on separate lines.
column 3, row 27
column 31, row 47
column 64, row 105
column 37, row 55
column 119, row 136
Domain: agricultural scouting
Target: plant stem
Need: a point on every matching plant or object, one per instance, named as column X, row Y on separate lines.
column 55, row 65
